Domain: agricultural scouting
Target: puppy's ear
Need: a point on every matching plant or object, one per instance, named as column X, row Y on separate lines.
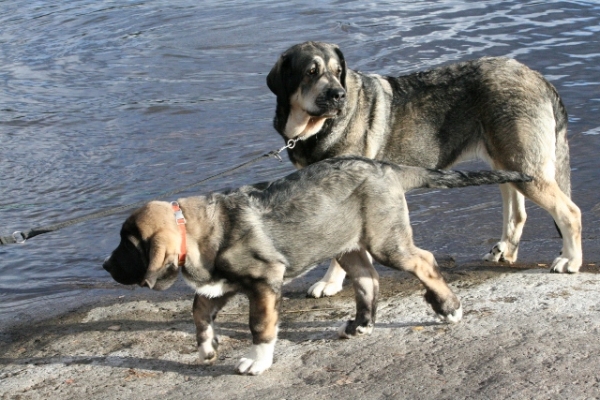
column 342, row 63
column 279, row 72
column 158, row 260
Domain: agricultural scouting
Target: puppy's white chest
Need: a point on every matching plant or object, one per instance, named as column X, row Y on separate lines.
column 214, row 289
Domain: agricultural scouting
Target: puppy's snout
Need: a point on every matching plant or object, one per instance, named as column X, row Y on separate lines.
column 337, row 94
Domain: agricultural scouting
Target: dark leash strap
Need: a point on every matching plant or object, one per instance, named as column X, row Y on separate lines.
column 22, row 236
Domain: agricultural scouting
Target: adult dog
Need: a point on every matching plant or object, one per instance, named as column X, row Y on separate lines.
column 249, row 240
column 495, row 109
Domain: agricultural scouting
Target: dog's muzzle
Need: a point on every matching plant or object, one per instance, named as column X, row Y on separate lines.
column 331, row 102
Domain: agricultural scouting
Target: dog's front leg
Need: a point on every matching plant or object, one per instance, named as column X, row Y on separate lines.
column 205, row 310
column 264, row 315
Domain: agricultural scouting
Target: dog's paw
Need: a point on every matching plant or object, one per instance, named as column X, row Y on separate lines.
column 208, row 351
column 324, row 289
column 351, row 329
column 563, row 264
column 258, row 360
column 502, row 252
column 496, row 254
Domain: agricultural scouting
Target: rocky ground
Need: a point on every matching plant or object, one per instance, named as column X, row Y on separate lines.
column 526, row 333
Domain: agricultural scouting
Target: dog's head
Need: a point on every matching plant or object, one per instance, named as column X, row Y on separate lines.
column 149, row 249
column 309, row 80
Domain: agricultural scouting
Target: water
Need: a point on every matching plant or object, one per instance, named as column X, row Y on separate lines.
column 107, row 103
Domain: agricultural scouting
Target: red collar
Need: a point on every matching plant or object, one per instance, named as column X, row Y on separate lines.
column 181, row 223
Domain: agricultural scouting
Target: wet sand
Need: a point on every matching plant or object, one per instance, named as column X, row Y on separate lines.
column 526, row 333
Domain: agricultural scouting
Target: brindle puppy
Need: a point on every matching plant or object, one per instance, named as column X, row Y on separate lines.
column 251, row 239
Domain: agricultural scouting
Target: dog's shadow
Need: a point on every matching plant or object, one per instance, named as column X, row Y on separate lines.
column 230, row 332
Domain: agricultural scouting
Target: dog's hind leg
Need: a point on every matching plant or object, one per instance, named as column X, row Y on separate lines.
column 514, row 216
column 365, row 281
column 264, row 316
column 330, row 284
column 567, row 216
column 204, row 311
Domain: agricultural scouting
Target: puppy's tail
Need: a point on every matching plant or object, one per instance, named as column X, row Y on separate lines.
column 447, row 179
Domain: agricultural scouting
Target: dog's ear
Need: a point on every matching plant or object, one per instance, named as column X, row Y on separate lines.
column 158, row 259
column 278, row 74
column 343, row 65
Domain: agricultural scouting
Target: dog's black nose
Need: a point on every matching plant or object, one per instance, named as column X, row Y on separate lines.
column 337, row 94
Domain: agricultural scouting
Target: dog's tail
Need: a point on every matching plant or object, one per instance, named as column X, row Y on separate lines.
column 447, row 179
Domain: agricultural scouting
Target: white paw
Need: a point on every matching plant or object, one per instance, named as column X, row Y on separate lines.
column 496, row 253
column 258, row 359
column 360, row 330
column 562, row 264
column 454, row 317
column 324, row 289
column 207, row 350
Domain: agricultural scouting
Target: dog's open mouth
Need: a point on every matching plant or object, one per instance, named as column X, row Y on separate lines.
column 315, row 120
column 325, row 115
column 312, row 121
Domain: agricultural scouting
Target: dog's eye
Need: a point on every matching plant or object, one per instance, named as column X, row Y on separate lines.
column 339, row 71
column 312, row 71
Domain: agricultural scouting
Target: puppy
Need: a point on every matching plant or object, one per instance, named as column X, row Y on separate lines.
column 251, row 239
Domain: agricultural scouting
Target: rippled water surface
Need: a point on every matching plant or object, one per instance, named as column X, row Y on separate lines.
column 108, row 103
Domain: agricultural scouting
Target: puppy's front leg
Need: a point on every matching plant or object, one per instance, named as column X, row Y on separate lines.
column 264, row 315
column 205, row 310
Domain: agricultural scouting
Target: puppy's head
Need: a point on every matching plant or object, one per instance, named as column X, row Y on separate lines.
column 149, row 249
column 309, row 80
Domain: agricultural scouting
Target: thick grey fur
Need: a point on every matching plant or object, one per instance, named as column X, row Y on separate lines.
column 492, row 108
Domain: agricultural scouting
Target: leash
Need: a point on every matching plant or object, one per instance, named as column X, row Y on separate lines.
column 22, row 236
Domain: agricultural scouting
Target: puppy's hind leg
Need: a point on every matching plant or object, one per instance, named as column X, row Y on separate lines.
column 330, row 284
column 365, row 280
column 204, row 312
column 422, row 264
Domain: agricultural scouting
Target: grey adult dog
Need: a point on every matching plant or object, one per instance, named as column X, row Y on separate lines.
column 495, row 109
column 249, row 240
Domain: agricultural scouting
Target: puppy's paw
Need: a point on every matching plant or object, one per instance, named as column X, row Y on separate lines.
column 324, row 289
column 351, row 329
column 563, row 264
column 449, row 309
column 454, row 317
column 208, row 351
column 258, row 359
